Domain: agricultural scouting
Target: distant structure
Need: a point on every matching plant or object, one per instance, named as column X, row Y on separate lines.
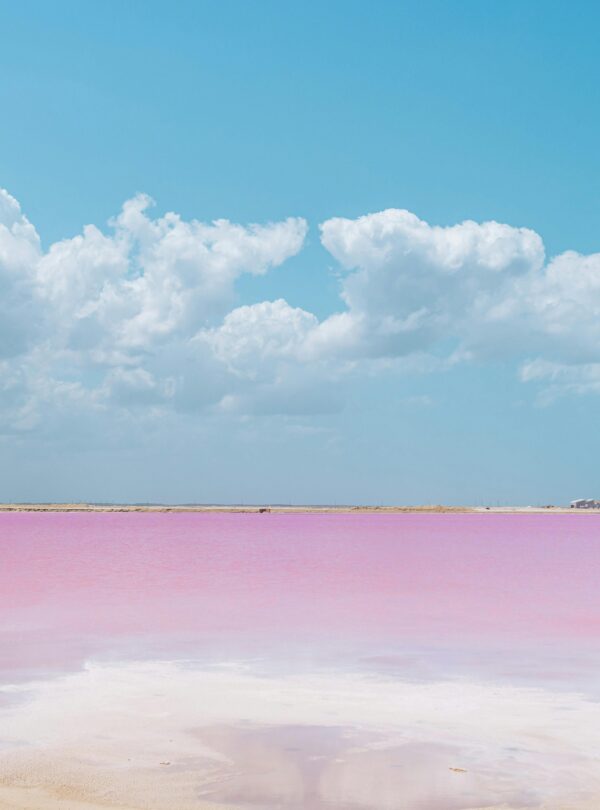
column 585, row 503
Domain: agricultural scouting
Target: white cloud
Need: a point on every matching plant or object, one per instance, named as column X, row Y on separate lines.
column 113, row 315
column 560, row 379
column 253, row 338
column 139, row 318
column 20, row 311
column 152, row 280
column 563, row 306
column 412, row 285
column 266, row 347
column 465, row 291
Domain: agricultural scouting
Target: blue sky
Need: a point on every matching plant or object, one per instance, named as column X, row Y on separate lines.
column 258, row 113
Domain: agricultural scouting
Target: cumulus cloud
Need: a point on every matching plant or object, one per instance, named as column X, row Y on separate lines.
column 562, row 305
column 140, row 317
column 20, row 308
column 412, row 285
column 464, row 291
column 153, row 280
column 254, row 338
column 112, row 315
column 267, row 347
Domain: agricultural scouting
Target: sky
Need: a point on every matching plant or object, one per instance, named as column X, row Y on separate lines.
column 299, row 253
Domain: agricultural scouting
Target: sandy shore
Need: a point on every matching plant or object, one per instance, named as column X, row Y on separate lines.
column 156, row 735
column 65, row 798
column 20, row 798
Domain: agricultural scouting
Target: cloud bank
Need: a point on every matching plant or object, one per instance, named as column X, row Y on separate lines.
column 140, row 318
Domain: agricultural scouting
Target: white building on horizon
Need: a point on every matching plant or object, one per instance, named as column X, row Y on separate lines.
column 585, row 503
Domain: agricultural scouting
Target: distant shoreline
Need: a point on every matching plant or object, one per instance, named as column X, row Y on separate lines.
column 259, row 509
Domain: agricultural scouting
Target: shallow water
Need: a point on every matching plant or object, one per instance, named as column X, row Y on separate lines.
column 302, row 661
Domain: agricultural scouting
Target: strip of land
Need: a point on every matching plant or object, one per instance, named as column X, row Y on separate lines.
column 283, row 509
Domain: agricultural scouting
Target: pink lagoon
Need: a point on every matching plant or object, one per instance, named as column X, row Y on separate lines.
column 310, row 660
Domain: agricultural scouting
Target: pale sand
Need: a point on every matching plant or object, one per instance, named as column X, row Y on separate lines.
column 24, row 798
column 14, row 798
column 165, row 736
column 36, row 799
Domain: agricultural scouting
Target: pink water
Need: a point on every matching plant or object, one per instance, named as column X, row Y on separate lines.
column 501, row 599
column 374, row 580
